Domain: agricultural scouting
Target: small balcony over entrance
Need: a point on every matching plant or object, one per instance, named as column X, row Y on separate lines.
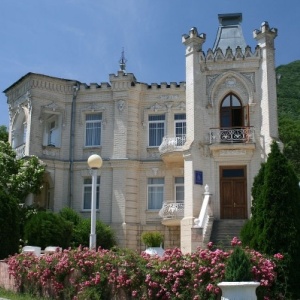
column 171, row 149
column 232, row 135
column 172, row 213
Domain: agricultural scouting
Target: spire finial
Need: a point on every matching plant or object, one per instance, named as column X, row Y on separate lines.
column 123, row 61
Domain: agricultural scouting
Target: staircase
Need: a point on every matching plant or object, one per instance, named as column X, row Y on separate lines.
column 224, row 230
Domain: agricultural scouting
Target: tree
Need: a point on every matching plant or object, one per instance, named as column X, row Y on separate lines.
column 48, row 229
column 18, row 178
column 9, row 228
column 275, row 222
column 3, row 133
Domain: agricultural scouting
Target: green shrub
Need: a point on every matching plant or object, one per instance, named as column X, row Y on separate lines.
column 9, row 225
column 48, row 229
column 70, row 215
column 81, row 234
column 152, row 238
column 238, row 267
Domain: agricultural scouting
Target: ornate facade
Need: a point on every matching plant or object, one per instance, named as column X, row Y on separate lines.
column 176, row 156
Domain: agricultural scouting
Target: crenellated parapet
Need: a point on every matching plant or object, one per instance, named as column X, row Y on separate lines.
column 95, row 86
column 193, row 41
column 166, row 86
column 265, row 36
column 236, row 55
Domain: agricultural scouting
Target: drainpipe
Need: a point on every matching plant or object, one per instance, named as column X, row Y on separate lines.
column 71, row 148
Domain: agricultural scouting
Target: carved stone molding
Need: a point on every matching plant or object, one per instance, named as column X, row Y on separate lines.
column 230, row 82
column 232, row 152
column 91, row 108
column 168, row 97
column 210, row 79
column 121, row 105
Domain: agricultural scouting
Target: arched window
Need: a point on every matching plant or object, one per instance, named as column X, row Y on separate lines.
column 231, row 112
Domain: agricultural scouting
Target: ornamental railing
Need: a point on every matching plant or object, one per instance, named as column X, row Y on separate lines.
column 205, row 212
column 171, row 143
column 20, row 151
column 232, row 135
column 172, row 211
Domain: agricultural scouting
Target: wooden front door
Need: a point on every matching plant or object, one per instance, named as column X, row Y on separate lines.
column 233, row 192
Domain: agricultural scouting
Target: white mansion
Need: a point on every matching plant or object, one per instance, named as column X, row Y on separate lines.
column 170, row 151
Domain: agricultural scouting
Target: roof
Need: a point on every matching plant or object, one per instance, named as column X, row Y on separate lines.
column 229, row 33
column 29, row 74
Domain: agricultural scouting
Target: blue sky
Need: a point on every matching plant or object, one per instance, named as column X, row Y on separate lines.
column 83, row 39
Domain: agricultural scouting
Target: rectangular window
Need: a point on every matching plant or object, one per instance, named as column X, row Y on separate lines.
column 155, row 193
column 87, row 193
column 179, row 189
column 180, row 129
column 51, row 133
column 93, row 124
column 156, row 129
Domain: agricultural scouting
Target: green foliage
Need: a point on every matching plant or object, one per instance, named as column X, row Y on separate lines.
column 81, row 233
column 48, row 229
column 3, row 133
column 19, row 177
column 288, row 94
column 275, row 223
column 70, row 215
column 9, row 225
column 238, row 266
column 289, row 132
column 152, row 238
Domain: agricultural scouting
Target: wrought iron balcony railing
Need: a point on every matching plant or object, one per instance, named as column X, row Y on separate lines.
column 171, row 143
column 232, row 135
column 172, row 211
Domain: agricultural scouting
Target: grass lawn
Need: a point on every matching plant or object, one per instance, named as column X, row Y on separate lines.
column 13, row 296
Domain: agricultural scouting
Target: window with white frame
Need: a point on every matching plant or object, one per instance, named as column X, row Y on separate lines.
column 156, row 129
column 180, row 129
column 87, row 193
column 52, row 130
column 155, row 193
column 93, row 126
column 179, row 189
column 19, row 130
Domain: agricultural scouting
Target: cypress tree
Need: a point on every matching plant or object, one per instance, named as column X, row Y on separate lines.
column 275, row 223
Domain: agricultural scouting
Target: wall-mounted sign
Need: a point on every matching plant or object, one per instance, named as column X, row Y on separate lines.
column 199, row 177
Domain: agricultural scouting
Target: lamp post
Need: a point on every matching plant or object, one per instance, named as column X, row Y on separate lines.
column 95, row 163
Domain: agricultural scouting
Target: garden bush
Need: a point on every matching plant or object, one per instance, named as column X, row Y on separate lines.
column 48, row 229
column 152, row 238
column 9, row 225
column 81, row 234
column 70, row 215
column 123, row 274
column 238, row 266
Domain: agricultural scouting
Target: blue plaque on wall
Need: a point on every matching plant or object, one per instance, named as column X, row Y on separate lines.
column 199, row 177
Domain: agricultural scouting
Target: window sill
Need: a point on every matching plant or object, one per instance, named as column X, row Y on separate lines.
column 92, row 147
column 50, row 147
column 88, row 210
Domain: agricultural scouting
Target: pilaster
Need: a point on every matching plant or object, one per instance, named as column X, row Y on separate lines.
column 269, row 127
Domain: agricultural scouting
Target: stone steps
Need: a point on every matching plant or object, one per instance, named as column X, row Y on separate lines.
column 223, row 231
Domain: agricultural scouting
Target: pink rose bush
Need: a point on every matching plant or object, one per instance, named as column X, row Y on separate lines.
column 83, row 274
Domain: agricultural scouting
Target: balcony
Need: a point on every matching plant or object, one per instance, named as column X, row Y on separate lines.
column 232, row 143
column 20, row 151
column 171, row 149
column 172, row 213
column 232, row 135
